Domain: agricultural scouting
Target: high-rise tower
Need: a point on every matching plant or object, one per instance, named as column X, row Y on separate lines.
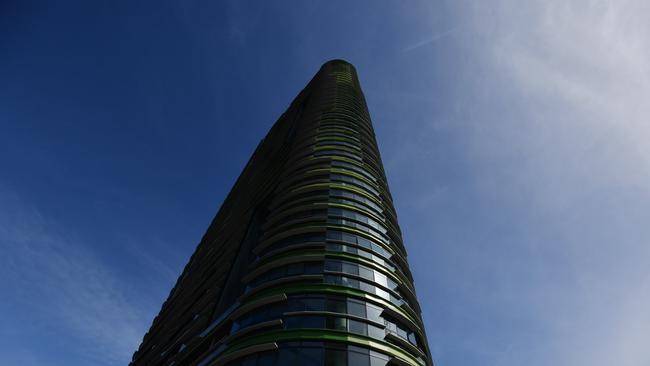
column 304, row 263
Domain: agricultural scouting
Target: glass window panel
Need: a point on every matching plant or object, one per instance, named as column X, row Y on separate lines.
column 249, row 361
column 395, row 300
column 310, row 356
column 272, row 275
column 358, row 358
column 381, row 279
column 365, row 243
column 334, row 266
column 379, row 249
column 367, row 287
column 334, row 235
column 365, row 254
column 374, row 313
column 357, row 327
column 295, row 322
column 313, row 322
column 266, row 359
column 357, row 308
column 336, row 305
column 380, row 260
column 375, row 332
column 350, row 282
column 335, row 211
column 294, row 269
column 391, row 326
column 275, row 311
column 336, row 323
column 292, row 322
column 349, row 238
column 335, row 357
column 379, row 355
column 331, row 279
column 412, row 339
column 382, row 293
column 313, row 304
column 377, row 359
column 334, row 247
column 390, row 283
column 366, row 273
column 313, row 268
column 350, row 268
column 287, row 356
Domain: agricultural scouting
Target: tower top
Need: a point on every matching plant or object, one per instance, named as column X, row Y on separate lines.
column 337, row 61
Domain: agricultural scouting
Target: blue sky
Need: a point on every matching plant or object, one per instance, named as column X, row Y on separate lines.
column 514, row 137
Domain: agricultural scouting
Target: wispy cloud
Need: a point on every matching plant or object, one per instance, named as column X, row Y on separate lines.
column 436, row 37
column 542, row 223
column 54, row 277
column 568, row 107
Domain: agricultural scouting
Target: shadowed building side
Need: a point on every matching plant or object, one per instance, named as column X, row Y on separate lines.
column 304, row 262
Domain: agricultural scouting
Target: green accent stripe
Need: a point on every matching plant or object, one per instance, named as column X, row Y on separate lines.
column 298, row 288
column 324, row 335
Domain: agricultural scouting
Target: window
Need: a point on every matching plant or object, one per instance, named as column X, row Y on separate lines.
column 329, row 142
column 292, row 269
column 336, row 323
column 366, row 273
column 307, row 303
column 354, row 283
column 349, row 282
column 412, row 339
column 374, row 312
column 355, row 239
column 355, row 181
column 401, row 331
column 350, row 268
column 317, row 354
column 336, row 305
column 353, row 167
column 335, row 357
column 310, row 356
column 381, row 279
column 311, row 321
column 376, row 332
column 354, row 224
column 266, row 359
column 357, row 308
column 249, row 361
column 337, row 152
column 335, row 247
column 378, row 359
column 257, row 316
column 311, row 238
column 333, row 266
column 382, row 293
column 357, row 327
column 358, row 356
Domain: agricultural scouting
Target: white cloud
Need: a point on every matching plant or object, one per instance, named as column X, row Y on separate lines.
column 47, row 272
column 574, row 79
column 430, row 40
column 585, row 64
column 536, row 236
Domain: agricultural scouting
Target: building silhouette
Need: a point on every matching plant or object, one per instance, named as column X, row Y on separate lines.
column 304, row 263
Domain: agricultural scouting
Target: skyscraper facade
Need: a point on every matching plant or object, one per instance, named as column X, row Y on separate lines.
column 304, row 263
